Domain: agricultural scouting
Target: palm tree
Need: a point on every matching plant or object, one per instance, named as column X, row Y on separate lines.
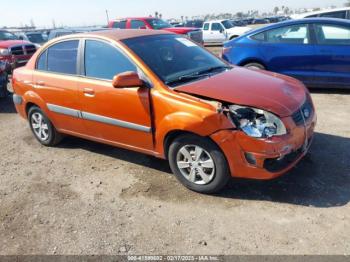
column 347, row 3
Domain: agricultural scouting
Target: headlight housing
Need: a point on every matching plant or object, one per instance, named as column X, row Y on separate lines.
column 256, row 122
column 4, row 52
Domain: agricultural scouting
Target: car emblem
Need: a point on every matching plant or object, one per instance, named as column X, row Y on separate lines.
column 306, row 113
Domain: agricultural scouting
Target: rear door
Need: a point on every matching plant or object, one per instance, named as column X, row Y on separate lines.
column 289, row 50
column 332, row 63
column 55, row 80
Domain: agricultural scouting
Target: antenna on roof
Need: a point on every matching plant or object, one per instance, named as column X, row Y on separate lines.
column 107, row 15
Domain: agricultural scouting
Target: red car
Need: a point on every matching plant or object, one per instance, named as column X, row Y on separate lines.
column 13, row 51
column 193, row 33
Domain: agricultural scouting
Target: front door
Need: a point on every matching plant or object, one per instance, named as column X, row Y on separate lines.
column 119, row 116
column 289, row 50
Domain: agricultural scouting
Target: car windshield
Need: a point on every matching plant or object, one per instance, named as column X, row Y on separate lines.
column 227, row 24
column 36, row 38
column 175, row 59
column 158, row 23
column 4, row 35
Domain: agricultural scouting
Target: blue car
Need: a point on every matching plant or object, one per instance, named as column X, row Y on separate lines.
column 313, row 50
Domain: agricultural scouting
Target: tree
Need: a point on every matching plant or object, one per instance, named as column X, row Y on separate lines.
column 239, row 14
column 347, row 3
column 156, row 14
column 275, row 10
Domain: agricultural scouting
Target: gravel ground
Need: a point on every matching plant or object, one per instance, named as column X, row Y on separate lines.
column 88, row 198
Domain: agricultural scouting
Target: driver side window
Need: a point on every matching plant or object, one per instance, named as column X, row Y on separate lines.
column 216, row 27
column 104, row 61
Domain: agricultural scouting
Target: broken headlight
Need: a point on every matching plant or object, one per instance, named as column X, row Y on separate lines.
column 256, row 122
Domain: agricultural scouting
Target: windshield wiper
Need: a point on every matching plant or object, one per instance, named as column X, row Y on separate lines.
column 199, row 74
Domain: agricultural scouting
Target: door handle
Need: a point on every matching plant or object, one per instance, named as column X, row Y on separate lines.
column 89, row 92
column 40, row 83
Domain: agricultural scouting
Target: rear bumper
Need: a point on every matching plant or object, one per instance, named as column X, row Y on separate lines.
column 15, row 61
column 265, row 158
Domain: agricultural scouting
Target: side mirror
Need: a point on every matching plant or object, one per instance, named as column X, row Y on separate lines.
column 221, row 30
column 127, row 79
column 21, row 37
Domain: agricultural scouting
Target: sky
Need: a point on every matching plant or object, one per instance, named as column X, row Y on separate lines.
column 90, row 12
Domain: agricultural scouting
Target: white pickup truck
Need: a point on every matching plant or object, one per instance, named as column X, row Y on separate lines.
column 220, row 31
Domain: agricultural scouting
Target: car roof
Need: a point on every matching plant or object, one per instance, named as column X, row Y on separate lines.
column 299, row 21
column 321, row 12
column 140, row 18
column 121, row 34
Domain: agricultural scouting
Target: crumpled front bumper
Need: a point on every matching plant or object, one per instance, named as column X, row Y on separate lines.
column 266, row 158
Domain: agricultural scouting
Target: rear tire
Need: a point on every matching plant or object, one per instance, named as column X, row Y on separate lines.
column 198, row 164
column 3, row 87
column 42, row 128
column 256, row 66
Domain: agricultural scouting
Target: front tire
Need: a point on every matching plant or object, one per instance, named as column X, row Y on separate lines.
column 256, row 66
column 198, row 164
column 42, row 128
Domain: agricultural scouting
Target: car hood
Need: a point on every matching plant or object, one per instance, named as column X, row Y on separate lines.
column 275, row 93
column 9, row 43
column 181, row 30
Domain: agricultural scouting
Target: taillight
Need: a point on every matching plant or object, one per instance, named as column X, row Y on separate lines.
column 226, row 49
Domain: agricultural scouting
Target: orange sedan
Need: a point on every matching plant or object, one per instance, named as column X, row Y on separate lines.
column 161, row 94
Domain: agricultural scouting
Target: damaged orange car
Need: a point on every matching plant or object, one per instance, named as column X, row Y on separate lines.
column 161, row 94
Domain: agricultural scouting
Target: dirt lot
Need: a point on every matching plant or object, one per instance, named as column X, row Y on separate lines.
column 88, row 198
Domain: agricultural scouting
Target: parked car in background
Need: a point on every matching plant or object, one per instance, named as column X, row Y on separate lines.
column 314, row 50
column 341, row 13
column 3, row 79
column 14, row 51
column 239, row 22
column 194, row 34
column 69, row 31
column 260, row 21
column 163, row 95
column 37, row 38
column 219, row 31
column 194, row 23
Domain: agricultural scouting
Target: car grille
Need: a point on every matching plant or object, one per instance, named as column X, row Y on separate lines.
column 196, row 36
column 304, row 113
column 23, row 50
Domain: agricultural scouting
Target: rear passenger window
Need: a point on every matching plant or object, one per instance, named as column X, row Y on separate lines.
column 41, row 64
column 258, row 37
column 296, row 34
column 62, row 57
column 206, row 27
column 103, row 61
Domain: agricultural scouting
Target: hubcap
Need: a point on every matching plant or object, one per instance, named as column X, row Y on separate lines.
column 40, row 127
column 196, row 164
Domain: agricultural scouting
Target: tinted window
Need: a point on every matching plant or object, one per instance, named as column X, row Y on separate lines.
column 137, row 24
column 227, row 24
column 206, row 26
column 216, row 27
column 259, row 37
column 158, row 23
column 296, row 34
column 62, row 57
column 41, row 64
column 339, row 14
column 119, row 24
column 172, row 56
column 104, row 61
column 332, row 35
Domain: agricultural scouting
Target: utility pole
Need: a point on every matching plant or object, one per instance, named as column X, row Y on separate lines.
column 107, row 15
